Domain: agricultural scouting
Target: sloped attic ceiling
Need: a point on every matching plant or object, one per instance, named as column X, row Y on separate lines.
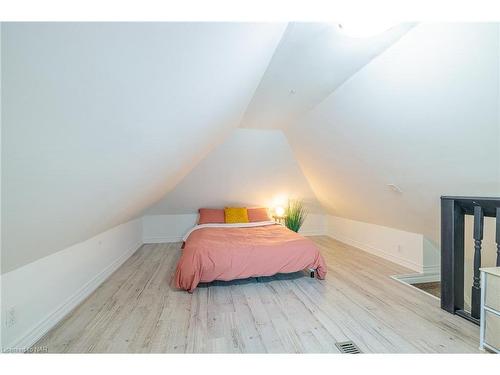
column 100, row 120
column 253, row 167
column 112, row 116
column 423, row 116
column 310, row 62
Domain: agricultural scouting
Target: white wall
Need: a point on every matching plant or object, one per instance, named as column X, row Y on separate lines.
column 172, row 228
column 314, row 225
column 44, row 291
column 167, row 228
column 431, row 257
column 253, row 167
column 100, row 120
column 405, row 248
column 421, row 115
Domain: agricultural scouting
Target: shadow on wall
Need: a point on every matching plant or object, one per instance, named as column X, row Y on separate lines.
column 253, row 167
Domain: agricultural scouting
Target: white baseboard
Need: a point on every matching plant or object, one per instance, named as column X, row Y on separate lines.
column 44, row 292
column 162, row 239
column 411, row 279
column 432, row 270
column 415, row 278
column 378, row 252
column 408, row 249
column 64, row 309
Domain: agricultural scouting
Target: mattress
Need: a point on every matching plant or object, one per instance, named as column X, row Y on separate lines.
column 229, row 252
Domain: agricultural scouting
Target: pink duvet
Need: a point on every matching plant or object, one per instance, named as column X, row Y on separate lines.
column 237, row 253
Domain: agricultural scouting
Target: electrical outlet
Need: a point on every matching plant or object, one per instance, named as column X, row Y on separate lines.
column 11, row 318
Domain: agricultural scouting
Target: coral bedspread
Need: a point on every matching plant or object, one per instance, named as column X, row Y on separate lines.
column 228, row 253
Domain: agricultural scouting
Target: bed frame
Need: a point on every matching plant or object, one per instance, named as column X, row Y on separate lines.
column 312, row 273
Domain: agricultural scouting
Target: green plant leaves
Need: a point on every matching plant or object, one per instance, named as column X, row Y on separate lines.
column 295, row 214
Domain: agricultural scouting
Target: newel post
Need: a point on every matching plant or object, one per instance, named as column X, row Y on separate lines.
column 452, row 255
column 476, row 285
column 498, row 235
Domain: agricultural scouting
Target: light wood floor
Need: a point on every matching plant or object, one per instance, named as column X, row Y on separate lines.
column 136, row 310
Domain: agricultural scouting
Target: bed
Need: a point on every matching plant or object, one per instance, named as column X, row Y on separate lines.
column 238, row 251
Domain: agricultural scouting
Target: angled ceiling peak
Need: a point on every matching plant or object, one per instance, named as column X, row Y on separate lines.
column 310, row 62
column 252, row 167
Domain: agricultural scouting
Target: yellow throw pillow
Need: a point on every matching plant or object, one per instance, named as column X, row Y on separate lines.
column 234, row 215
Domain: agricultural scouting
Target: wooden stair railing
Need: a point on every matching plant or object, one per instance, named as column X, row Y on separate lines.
column 497, row 237
column 453, row 211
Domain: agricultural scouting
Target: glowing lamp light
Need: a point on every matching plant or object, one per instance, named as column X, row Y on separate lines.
column 279, row 211
column 364, row 29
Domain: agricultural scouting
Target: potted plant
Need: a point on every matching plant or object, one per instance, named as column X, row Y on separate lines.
column 295, row 214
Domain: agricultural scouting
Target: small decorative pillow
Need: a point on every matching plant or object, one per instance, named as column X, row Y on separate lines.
column 210, row 216
column 257, row 214
column 236, row 215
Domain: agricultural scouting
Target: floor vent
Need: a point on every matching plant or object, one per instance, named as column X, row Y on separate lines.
column 347, row 347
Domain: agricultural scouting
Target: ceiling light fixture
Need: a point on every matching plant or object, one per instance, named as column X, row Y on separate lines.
column 395, row 188
column 364, row 29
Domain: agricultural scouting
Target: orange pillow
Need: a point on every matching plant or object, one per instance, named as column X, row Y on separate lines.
column 257, row 214
column 235, row 215
column 210, row 215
